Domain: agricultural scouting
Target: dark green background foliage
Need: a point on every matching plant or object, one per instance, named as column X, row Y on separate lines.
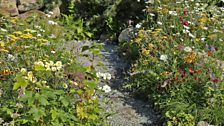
column 107, row 15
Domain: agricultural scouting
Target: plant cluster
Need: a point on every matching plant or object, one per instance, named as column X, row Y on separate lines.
column 41, row 83
column 179, row 62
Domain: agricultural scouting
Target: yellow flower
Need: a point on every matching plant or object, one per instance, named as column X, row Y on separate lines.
column 150, row 46
column 145, row 52
column 190, row 57
column 27, row 36
column 2, row 44
column 17, row 33
column 4, row 50
column 13, row 37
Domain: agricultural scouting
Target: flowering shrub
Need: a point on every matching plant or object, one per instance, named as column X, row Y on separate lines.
column 40, row 82
column 179, row 60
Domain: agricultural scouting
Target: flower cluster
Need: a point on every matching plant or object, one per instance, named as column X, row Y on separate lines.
column 49, row 66
column 105, row 76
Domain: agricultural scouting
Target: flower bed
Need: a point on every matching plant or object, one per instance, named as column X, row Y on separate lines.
column 40, row 82
column 179, row 65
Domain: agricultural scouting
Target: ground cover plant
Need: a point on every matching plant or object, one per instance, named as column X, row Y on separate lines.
column 179, row 60
column 42, row 84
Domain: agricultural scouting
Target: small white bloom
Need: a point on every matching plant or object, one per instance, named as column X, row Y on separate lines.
column 53, row 52
column 48, row 15
column 106, row 88
column 11, row 57
column 202, row 39
column 187, row 49
column 65, row 85
column 39, row 35
column 54, row 68
column 151, row 14
column 163, row 57
column 30, row 74
column 23, row 70
column 173, row 13
column 99, row 74
column 52, row 22
column 172, row 26
column 186, row 27
column 108, row 76
column 4, row 30
column 138, row 26
column 191, row 35
column 160, row 23
column 51, row 63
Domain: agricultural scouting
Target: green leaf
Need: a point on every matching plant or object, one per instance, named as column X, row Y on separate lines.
column 90, row 84
column 65, row 100
column 37, row 113
column 54, row 114
column 20, row 82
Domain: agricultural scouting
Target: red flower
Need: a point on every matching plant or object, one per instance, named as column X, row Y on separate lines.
column 177, row 77
column 215, row 80
column 185, row 23
column 191, row 69
column 197, row 78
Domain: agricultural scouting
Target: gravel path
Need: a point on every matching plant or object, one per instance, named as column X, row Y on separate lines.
column 127, row 111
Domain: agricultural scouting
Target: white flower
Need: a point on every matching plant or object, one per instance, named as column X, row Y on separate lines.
column 172, row 26
column 99, row 74
column 23, row 70
column 52, row 22
column 65, row 85
column 48, row 15
column 39, row 35
column 54, row 68
column 30, row 74
column 108, row 76
column 191, row 35
column 11, row 57
column 53, row 52
column 202, row 39
column 138, row 0
column 187, row 49
column 4, row 30
column 163, row 57
column 151, row 14
column 138, row 26
column 160, row 23
column 40, row 63
column 173, row 13
column 51, row 63
column 58, row 64
column 106, row 88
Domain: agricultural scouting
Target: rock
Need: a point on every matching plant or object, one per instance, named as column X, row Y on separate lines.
column 26, row 5
column 32, row 13
column 8, row 7
column 56, row 12
column 203, row 123
column 126, row 35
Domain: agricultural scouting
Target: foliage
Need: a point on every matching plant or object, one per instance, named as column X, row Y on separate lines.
column 108, row 16
column 179, row 62
column 41, row 83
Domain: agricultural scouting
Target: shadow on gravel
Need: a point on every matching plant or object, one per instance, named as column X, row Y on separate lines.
column 148, row 116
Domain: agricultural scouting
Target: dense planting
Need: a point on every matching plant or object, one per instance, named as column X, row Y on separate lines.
column 40, row 82
column 179, row 60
